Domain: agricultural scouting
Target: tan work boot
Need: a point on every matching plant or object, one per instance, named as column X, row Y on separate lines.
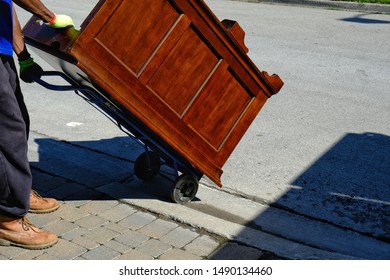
column 20, row 232
column 42, row 205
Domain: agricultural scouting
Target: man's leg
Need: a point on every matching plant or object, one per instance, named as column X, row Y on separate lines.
column 15, row 175
column 19, row 97
column 38, row 204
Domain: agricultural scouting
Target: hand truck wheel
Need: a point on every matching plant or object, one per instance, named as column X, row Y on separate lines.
column 184, row 189
column 147, row 165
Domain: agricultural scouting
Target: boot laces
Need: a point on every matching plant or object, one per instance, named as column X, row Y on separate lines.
column 37, row 195
column 26, row 224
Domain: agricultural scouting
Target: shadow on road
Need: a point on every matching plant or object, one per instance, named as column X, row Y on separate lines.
column 347, row 189
column 348, row 186
column 362, row 18
column 344, row 198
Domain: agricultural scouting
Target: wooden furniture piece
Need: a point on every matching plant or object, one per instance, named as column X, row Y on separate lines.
column 173, row 65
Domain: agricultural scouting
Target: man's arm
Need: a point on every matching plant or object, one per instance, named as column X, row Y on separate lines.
column 18, row 41
column 28, row 68
column 37, row 8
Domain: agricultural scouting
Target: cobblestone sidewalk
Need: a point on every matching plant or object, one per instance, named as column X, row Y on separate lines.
column 101, row 228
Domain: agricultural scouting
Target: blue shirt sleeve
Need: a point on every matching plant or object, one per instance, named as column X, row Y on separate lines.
column 6, row 25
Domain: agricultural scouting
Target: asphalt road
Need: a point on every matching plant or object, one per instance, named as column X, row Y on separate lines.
column 319, row 149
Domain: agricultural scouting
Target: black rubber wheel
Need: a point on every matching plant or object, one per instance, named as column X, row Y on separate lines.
column 147, row 165
column 184, row 189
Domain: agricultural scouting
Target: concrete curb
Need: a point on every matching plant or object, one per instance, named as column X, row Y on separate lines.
column 342, row 5
column 222, row 227
column 234, row 232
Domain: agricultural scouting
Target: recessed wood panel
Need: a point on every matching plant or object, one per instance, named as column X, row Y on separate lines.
column 218, row 108
column 183, row 72
column 134, row 34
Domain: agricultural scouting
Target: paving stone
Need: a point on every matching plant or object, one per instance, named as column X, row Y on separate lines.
column 101, row 235
column 202, row 246
column 60, row 227
column 70, row 212
column 116, row 190
column 158, row 228
column 86, row 195
column 46, row 256
column 74, row 233
column 40, row 177
column 154, row 247
column 135, row 255
column 46, row 183
column 28, row 255
column 137, row 220
column 117, row 213
column 99, row 206
column 132, row 238
column 90, row 178
column 115, row 227
column 180, row 237
column 177, row 254
column 65, row 190
column 85, row 242
column 77, row 202
column 234, row 251
column 11, row 251
column 3, row 257
column 101, row 253
column 65, row 250
column 91, row 222
column 119, row 247
column 41, row 220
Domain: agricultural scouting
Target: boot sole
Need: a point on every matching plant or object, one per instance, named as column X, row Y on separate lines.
column 4, row 242
column 44, row 211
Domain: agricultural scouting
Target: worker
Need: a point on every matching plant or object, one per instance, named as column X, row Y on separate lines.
column 16, row 195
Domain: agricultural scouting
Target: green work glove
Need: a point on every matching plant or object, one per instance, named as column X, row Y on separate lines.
column 61, row 21
column 29, row 70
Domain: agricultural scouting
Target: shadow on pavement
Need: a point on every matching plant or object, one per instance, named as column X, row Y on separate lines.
column 347, row 189
column 348, row 186
column 361, row 18
column 87, row 168
column 342, row 200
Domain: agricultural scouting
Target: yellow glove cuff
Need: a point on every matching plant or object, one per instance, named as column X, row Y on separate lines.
column 61, row 21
